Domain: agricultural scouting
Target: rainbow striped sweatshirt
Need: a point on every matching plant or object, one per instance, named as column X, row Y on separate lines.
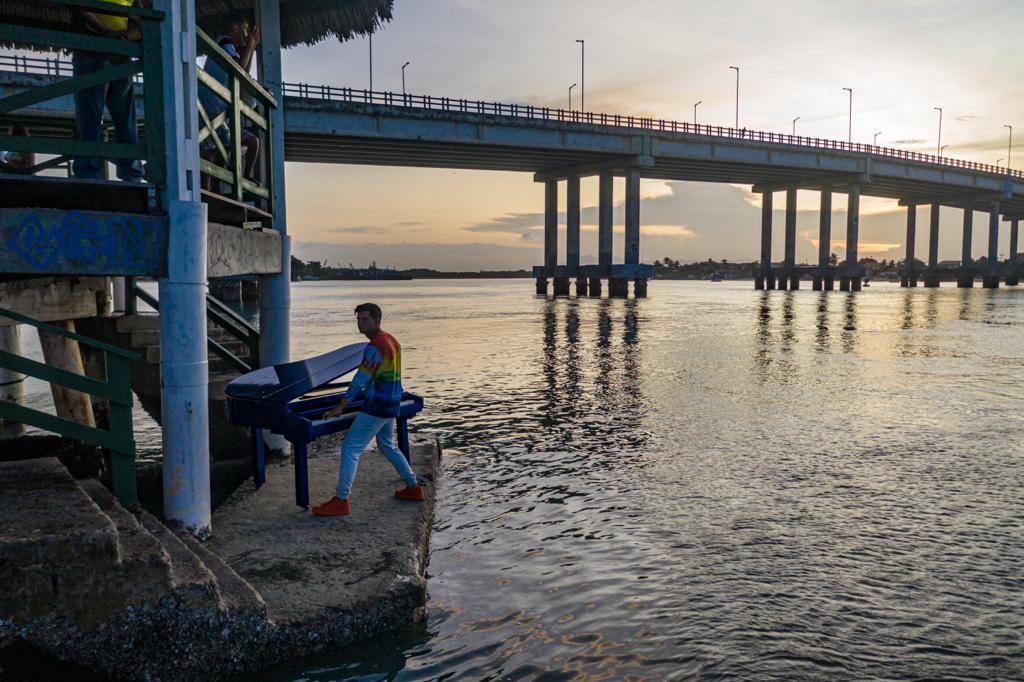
column 378, row 381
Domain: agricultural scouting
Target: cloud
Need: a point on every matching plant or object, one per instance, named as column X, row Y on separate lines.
column 512, row 223
column 358, row 229
column 910, row 141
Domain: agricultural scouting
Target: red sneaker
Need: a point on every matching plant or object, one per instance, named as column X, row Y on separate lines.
column 332, row 507
column 410, row 492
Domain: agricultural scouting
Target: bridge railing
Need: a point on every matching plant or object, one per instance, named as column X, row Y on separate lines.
column 528, row 111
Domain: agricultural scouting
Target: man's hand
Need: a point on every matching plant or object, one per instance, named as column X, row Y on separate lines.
column 336, row 411
column 255, row 37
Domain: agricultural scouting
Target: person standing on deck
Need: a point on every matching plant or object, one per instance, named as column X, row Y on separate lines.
column 118, row 95
column 379, row 383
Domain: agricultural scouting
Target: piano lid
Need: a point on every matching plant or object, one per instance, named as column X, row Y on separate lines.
column 285, row 382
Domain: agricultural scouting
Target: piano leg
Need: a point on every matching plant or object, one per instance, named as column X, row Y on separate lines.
column 403, row 438
column 301, row 476
column 259, row 470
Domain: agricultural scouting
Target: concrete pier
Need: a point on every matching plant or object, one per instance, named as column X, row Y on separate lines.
column 632, row 251
column 931, row 275
column 581, row 286
column 550, row 233
column 822, row 280
column 560, row 286
column 789, row 275
column 909, row 276
column 594, row 287
column 618, row 287
column 851, row 280
column 640, row 287
column 965, row 280
column 542, row 286
column 765, row 279
column 12, row 386
column 1012, row 278
column 63, row 353
column 572, row 227
column 991, row 278
column 605, row 218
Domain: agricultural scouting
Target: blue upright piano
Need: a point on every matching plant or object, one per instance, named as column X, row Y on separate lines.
column 290, row 399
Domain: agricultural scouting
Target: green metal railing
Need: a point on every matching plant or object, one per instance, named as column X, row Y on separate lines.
column 116, row 390
column 248, row 107
column 141, row 56
column 223, row 317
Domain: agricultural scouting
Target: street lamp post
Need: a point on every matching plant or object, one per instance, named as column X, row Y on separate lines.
column 1009, row 147
column 583, row 65
column 794, row 125
column 938, row 145
column 849, row 131
column 737, row 70
column 570, row 95
column 371, row 60
column 875, row 141
column 403, row 77
column 942, row 149
column 999, row 162
column 696, row 104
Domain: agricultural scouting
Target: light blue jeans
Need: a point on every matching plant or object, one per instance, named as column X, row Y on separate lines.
column 359, row 435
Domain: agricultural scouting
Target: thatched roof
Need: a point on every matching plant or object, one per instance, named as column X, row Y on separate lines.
column 302, row 21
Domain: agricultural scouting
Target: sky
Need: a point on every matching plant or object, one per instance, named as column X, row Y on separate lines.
column 655, row 58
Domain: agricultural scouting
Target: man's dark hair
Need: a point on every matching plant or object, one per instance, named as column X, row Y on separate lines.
column 371, row 308
column 234, row 19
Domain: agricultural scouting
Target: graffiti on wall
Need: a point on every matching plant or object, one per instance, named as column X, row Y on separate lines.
column 81, row 242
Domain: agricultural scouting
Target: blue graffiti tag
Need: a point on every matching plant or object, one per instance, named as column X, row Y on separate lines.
column 116, row 243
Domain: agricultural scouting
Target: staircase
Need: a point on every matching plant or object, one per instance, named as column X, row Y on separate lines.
column 113, row 590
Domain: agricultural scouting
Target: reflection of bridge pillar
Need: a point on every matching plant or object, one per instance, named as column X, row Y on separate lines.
column 851, row 279
column 572, row 231
column 765, row 279
column 632, row 216
column 909, row 276
column 931, row 275
column 991, row 278
column 823, row 279
column 965, row 279
column 790, row 258
column 1012, row 279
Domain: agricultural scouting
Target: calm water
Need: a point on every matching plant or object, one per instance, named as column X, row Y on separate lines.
column 713, row 482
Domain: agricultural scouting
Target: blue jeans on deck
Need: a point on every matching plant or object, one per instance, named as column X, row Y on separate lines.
column 119, row 98
column 362, row 431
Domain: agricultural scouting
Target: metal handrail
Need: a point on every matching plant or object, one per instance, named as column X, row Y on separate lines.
column 140, row 57
column 116, row 390
column 526, row 111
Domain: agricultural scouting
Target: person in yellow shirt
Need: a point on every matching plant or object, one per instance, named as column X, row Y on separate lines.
column 118, row 97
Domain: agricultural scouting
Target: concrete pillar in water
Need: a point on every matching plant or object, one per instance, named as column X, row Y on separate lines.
column 991, row 277
column 560, row 286
column 790, row 253
column 605, row 214
column 594, row 287
column 12, row 386
column 542, row 286
column 184, row 373
column 1012, row 278
column 640, row 287
column 632, row 255
column 275, row 290
column 965, row 279
column 765, row 278
column 550, row 229
column 852, row 276
column 824, row 241
column 931, row 275
column 618, row 287
column 581, row 286
column 572, row 224
column 63, row 353
column 909, row 275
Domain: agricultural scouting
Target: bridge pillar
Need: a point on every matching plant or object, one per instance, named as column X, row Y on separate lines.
column 618, row 287
column 1012, row 278
column 560, row 286
column 824, row 241
column 632, row 256
column 965, row 279
column 12, row 384
column 789, row 264
column 550, row 234
column 581, row 286
column 931, row 276
column 908, row 278
column 851, row 281
column 605, row 212
column 765, row 278
column 595, row 287
column 542, row 286
column 991, row 278
column 572, row 229
column 640, row 287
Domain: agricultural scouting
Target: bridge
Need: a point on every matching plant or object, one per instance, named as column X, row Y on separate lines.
column 326, row 124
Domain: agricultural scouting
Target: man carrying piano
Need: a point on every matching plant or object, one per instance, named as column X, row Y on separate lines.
column 379, row 383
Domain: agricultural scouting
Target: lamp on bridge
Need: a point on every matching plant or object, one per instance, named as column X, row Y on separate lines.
column 583, row 66
column 1009, row 147
column 570, row 95
column 697, row 104
column 938, row 145
column 737, row 70
column 849, row 130
column 403, row 77
column 942, row 149
column 794, row 124
column 874, row 142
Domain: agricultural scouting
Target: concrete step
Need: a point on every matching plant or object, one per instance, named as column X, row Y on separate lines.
column 145, row 338
column 237, row 596
column 190, row 579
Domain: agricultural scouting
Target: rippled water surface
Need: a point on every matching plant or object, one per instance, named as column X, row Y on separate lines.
column 713, row 482
column 710, row 482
